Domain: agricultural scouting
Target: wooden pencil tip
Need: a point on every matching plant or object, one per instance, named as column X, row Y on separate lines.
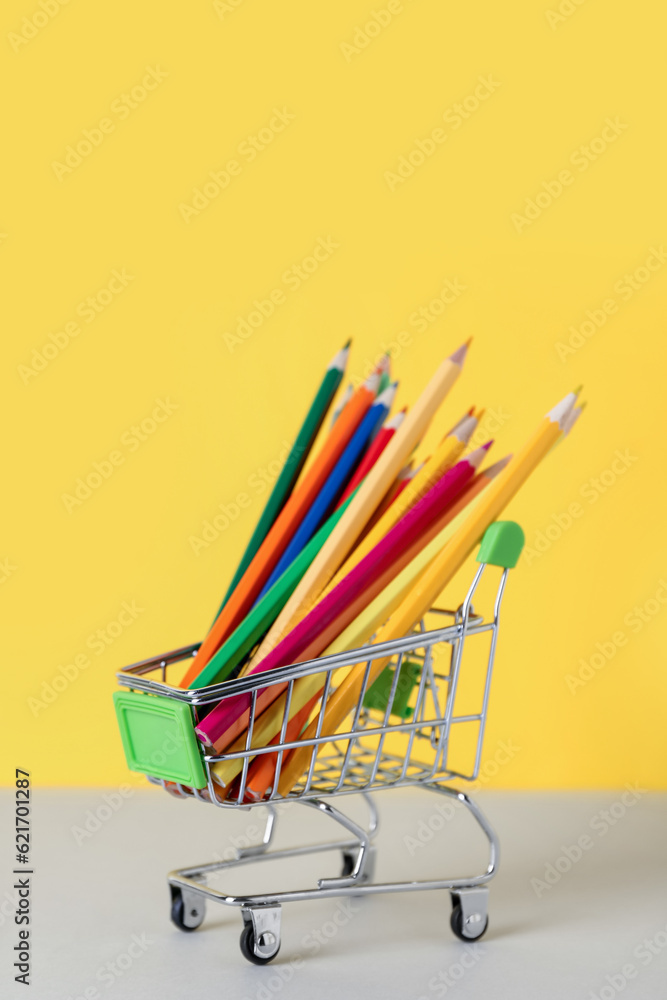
column 458, row 357
column 347, row 343
column 578, row 389
column 493, row 470
column 485, row 447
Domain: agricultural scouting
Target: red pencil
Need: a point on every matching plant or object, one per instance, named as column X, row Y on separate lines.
column 375, row 449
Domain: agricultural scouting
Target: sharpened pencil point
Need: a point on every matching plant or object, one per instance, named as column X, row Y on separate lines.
column 578, row 389
column 347, row 343
column 485, row 447
column 458, row 357
column 493, row 470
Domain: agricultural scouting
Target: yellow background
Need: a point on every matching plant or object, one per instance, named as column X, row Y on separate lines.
column 67, row 574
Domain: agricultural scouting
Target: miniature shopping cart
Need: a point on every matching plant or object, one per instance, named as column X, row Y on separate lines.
column 401, row 733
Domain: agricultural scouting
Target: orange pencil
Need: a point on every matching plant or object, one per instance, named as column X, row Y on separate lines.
column 283, row 528
column 263, row 769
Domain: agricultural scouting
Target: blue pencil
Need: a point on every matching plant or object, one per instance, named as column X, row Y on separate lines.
column 329, row 493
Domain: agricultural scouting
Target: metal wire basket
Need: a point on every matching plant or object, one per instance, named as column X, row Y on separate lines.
column 400, row 733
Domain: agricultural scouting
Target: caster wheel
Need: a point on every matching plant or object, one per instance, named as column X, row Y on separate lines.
column 474, row 932
column 186, row 920
column 248, row 946
column 348, row 865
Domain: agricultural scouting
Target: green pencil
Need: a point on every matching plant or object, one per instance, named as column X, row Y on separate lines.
column 265, row 612
column 294, row 463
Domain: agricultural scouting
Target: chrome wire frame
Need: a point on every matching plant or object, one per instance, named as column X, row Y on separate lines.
column 354, row 760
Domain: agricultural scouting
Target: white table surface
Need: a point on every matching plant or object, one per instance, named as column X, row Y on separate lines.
column 94, row 893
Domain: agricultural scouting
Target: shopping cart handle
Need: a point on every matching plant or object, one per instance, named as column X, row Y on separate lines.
column 502, row 544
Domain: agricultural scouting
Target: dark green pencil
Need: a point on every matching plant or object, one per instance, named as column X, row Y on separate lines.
column 294, row 463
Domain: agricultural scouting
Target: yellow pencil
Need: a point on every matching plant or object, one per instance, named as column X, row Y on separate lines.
column 444, row 457
column 376, row 613
column 432, row 581
column 369, row 495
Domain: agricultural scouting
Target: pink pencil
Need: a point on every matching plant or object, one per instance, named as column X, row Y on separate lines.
column 307, row 638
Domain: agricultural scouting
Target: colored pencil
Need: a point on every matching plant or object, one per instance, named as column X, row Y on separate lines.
column 377, row 612
column 331, row 489
column 261, row 616
column 371, row 492
column 388, row 590
column 444, row 458
column 294, row 463
column 311, row 635
column 284, row 526
column 266, row 726
column 433, row 580
column 375, row 449
column 344, row 400
column 407, row 473
column 262, row 771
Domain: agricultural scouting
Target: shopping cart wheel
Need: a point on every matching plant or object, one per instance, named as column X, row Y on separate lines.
column 469, row 919
column 260, row 937
column 248, row 947
column 188, row 914
column 348, row 864
column 349, row 861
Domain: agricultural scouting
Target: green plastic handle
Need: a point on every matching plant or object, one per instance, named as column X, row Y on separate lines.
column 502, row 544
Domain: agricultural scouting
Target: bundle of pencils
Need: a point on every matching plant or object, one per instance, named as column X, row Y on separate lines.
column 354, row 542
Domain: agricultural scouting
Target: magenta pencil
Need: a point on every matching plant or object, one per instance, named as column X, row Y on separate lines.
column 302, row 642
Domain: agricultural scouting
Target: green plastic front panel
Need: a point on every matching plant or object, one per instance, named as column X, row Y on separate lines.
column 159, row 738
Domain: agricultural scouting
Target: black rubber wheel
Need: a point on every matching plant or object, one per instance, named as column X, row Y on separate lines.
column 248, row 947
column 178, row 913
column 348, row 865
column 456, row 923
